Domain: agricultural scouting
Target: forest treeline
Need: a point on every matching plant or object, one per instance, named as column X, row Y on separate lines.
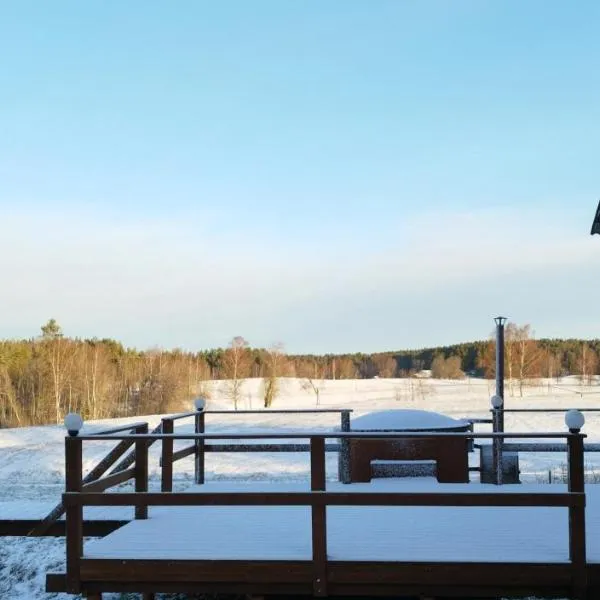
column 43, row 378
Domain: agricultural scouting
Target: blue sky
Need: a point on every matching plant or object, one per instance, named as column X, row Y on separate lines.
column 339, row 176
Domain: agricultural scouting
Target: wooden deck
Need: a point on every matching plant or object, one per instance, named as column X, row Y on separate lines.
column 337, row 540
column 110, row 563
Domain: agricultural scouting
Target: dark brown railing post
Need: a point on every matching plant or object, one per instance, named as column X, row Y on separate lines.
column 319, row 516
column 74, row 512
column 199, row 456
column 345, row 449
column 141, row 470
column 577, row 543
column 166, row 484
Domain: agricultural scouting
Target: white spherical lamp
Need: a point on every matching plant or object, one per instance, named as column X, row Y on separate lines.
column 496, row 402
column 200, row 403
column 73, row 423
column 574, row 420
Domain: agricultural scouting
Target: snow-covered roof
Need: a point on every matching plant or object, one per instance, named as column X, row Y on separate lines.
column 405, row 420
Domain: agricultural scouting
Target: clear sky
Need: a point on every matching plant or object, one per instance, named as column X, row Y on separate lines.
column 338, row 176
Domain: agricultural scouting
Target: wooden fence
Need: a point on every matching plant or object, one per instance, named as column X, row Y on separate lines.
column 96, row 480
column 79, row 494
column 199, row 448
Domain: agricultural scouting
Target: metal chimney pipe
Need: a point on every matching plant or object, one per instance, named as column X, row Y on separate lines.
column 500, row 321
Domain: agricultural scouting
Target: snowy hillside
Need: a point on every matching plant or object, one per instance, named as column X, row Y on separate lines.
column 32, row 459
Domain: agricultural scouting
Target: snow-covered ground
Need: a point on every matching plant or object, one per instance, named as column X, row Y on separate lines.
column 32, row 459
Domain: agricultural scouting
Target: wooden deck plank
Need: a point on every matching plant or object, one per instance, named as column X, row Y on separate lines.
column 346, row 578
column 24, row 527
column 455, row 574
column 192, row 571
column 429, row 590
column 480, row 575
column 553, row 584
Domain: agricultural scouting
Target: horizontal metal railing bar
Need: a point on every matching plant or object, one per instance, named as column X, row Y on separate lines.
column 319, row 498
column 533, row 447
column 119, row 429
column 331, row 434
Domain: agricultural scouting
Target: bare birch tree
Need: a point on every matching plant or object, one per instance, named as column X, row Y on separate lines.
column 59, row 354
column 587, row 362
column 525, row 354
column 10, row 411
column 314, row 381
column 275, row 368
column 235, row 367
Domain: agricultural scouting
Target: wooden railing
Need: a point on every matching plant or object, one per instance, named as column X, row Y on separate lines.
column 532, row 447
column 96, row 480
column 77, row 496
column 198, row 449
column 500, row 447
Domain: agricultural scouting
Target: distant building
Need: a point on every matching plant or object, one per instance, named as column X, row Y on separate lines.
column 424, row 374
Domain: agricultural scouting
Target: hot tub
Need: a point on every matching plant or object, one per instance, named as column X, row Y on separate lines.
column 448, row 455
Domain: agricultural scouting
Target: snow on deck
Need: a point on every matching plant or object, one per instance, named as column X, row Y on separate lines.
column 417, row 534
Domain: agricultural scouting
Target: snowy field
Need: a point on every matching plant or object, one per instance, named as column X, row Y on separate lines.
column 32, row 459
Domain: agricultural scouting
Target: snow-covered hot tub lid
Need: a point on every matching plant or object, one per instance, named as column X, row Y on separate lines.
column 407, row 420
